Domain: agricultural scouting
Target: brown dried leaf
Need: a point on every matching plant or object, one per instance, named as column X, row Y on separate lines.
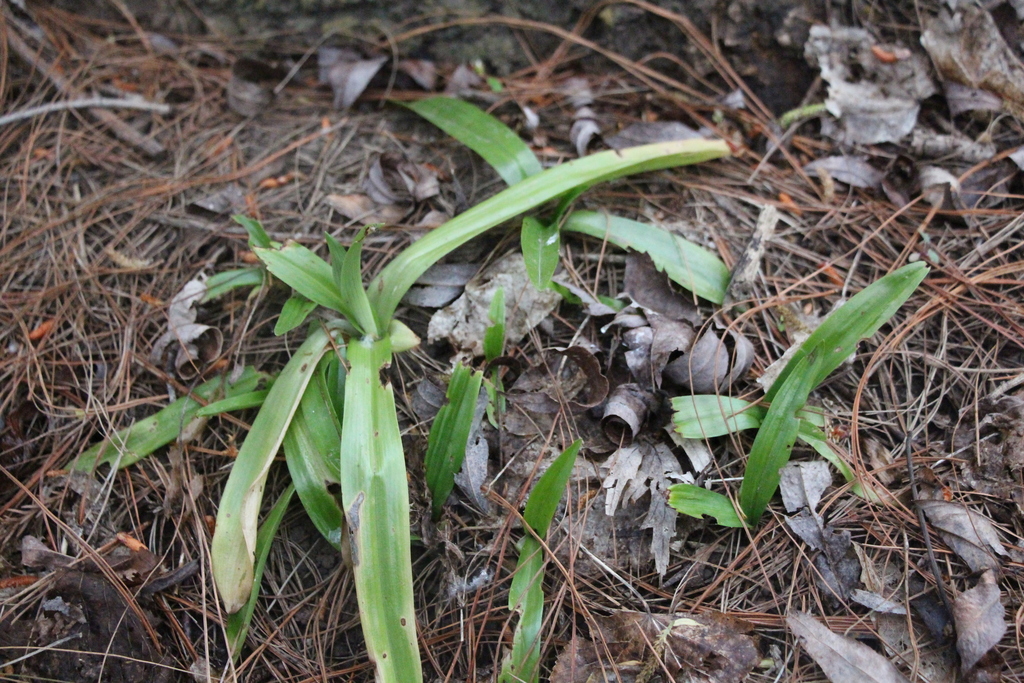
column 464, row 79
column 625, row 413
column 197, row 344
column 843, row 660
column 650, row 289
column 347, row 74
column 422, row 71
column 980, row 621
column 852, row 170
column 993, row 447
column 710, row 365
column 968, row 533
column 34, row 553
column 359, row 207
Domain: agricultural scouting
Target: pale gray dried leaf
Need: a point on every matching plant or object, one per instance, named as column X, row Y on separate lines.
column 34, row 553
column 735, row 99
column 577, row 89
column 670, row 337
column 420, row 180
column 625, row 413
column 378, row 187
column 645, row 133
column 349, row 78
column 197, row 344
column 449, row 274
column 936, row 184
column 808, row 526
column 967, row 47
column 591, row 304
column 696, row 450
column 465, row 321
column 843, row 659
column 422, row 71
column 876, row 602
column 360, row 207
column 650, row 289
column 980, row 621
column 433, row 219
column 1017, row 157
column 623, row 466
column 327, row 56
column 663, row 470
column 583, row 130
column 532, row 119
column 710, row 366
column 969, row 534
column 875, row 101
column 464, row 79
column 949, row 146
column 431, row 296
column 229, row 199
column 850, row 169
column 427, row 399
column 802, row 484
column 638, row 342
column 748, row 265
column 961, row 98
column 474, row 473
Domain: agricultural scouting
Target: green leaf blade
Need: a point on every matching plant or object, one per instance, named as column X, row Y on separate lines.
column 706, row 416
column 687, row 264
column 219, row 284
column 303, row 271
column 540, row 251
column 449, row 435
column 352, row 292
column 251, row 399
column 482, row 133
column 293, row 313
column 257, row 235
column 696, row 501
column 494, row 335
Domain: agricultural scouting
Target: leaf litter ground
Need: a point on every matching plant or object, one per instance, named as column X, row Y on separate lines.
column 101, row 238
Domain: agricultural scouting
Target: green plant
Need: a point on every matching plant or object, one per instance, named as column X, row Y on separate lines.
column 786, row 419
column 332, row 407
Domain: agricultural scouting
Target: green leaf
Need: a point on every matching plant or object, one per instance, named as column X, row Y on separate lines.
column 697, row 501
column 237, row 625
column 687, row 264
column 375, row 492
column 482, row 133
column 706, row 416
column 257, row 235
column 312, row 449
column 293, row 313
column 494, row 335
column 776, row 437
column 540, row 251
column 134, row 443
column 351, row 288
column 449, row 435
column 387, row 289
column 860, row 317
column 234, row 541
column 526, row 594
column 252, row 399
column 221, row 283
column 303, row 271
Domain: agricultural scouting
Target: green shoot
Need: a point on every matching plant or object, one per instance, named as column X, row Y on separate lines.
column 526, row 595
column 220, row 284
column 449, row 435
column 253, row 399
column 540, row 251
column 696, row 501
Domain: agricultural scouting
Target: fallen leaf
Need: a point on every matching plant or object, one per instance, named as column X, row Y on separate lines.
column 852, row 170
column 968, row 533
column 34, row 553
column 802, row 484
column 645, row 133
column 625, row 413
column 843, row 660
column 962, row 98
column 980, row 621
column 198, row 344
column 249, row 88
column 584, row 128
column 876, row 602
column 422, row 71
column 993, row 447
column 650, row 288
column 359, row 207
column 391, row 180
column 228, row 199
column 748, row 266
column 711, row 365
column 463, row 80
column 346, row 73
column 464, row 322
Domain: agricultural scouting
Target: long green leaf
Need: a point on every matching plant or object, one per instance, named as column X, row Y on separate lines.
column 837, row 336
column 776, row 437
column 705, row 416
column 303, row 271
column 311, row 449
column 293, row 313
column 134, row 443
column 376, row 498
column 352, row 292
column 482, row 133
column 686, row 263
column 494, row 334
column 697, row 501
column 234, row 541
column 526, row 594
column 387, row 289
column 540, row 250
column 252, row 399
column 449, row 435
column 237, row 625
column 257, row 235
column 221, row 283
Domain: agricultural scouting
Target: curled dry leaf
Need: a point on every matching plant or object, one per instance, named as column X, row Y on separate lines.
column 584, row 128
column 980, row 621
column 391, row 180
column 843, row 660
column 347, row 73
column 962, row 98
column 422, row 71
column 711, row 365
column 359, row 207
column 967, row 47
column 645, row 133
column 687, row 647
column 625, row 413
column 968, row 533
column 463, row 80
column 464, row 322
column 197, row 344
column 650, row 289
column 850, row 169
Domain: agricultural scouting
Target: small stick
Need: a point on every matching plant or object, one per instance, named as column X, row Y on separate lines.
column 86, row 103
column 119, row 128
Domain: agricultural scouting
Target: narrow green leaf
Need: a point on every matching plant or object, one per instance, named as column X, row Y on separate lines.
column 449, row 435
column 540, row 251
column 706, row 416
column 494, row 335
column 252, row 399
column 351, row 288
column 375, row 492
column 776, row 437
column 237, row 625
column 312, row 448
column 526, row 594
column 338, row 253
column 257, row 235
column 219, row 284
column 293, row 313
column 234, row 541
column 697, row 501
column 303, row 271
column 482, row 133
column 687, row 264
column 387, row 289
column 860, row 317
column 134, row 443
